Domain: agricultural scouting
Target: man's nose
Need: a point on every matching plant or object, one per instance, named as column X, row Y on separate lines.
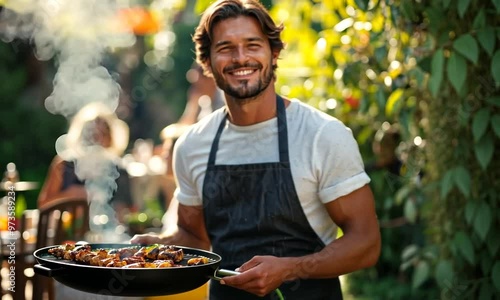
column 239, row 55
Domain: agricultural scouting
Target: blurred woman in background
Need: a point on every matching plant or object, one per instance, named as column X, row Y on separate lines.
column 95, row 135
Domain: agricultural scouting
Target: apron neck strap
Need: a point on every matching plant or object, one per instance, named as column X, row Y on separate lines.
column 282, row 129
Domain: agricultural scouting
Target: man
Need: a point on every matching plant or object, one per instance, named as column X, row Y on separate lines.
column 266, row 181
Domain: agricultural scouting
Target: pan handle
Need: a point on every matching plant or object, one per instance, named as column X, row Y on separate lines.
column 219, row 273
column 48, row 271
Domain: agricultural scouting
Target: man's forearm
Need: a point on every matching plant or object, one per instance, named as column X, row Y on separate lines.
column 344, row 255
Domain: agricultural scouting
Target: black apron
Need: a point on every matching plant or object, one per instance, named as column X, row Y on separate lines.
column 253, row 209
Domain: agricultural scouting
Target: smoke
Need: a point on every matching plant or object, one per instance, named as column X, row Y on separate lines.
column 100, row 173
column 76, row 34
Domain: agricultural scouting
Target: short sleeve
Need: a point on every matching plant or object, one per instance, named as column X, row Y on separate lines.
column 337, row 162
column 186, row 191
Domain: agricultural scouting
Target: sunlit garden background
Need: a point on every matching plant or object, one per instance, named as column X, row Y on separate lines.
column 426, row 73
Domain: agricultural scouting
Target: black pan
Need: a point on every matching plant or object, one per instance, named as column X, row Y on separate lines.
column 141, row 282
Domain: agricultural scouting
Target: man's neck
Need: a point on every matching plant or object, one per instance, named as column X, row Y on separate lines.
column 254, row 111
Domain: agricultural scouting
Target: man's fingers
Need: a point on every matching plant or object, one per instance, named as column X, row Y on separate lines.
column 252, row 263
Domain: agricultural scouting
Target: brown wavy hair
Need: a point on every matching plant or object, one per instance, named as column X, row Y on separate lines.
column 225, row 9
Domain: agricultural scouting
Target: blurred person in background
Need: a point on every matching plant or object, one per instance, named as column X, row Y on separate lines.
column 203, row 96
column 90, row 151
column 169, row 136
column 384, row 146
column 95, row 131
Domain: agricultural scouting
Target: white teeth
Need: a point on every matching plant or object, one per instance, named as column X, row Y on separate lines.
column 242, row 73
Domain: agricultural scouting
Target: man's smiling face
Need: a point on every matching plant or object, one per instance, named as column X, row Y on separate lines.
column 241, row 57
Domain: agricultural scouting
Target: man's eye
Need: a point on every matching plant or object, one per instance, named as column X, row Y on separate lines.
column 224, row 49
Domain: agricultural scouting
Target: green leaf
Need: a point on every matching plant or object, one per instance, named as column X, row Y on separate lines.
column 421, row 274
column 446, row 3
column 483, row 219
column 409, row 252
column 486, row 292
column 467, row 46
column 402, row 194
column 446, row 183
column 484, row 150
column 497, row 5
column 462, row 7
column 410, row 211
column 495, row 275
column 436, row 77
column 480, row 123
column 464, row 116
column 470, row 211
column 479, row 20
column 425, row 64
column 444, row 272
column 380, row 97
column 365, row 104
column 380, row 53
column 493, row 243
column 486, row 38
column 462, row 180
column 495, row 100
column 495, row 124
column 495, row 67
column 362, row 4
column 486, row 261
column 464, row 246
column 457, row 71
column 407, row 9
column 392, row 101
column 434, row 15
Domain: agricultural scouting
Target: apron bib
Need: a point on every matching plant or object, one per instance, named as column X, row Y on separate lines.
column 253, row 209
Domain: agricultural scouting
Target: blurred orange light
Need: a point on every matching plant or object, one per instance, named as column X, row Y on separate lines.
column 140, row 20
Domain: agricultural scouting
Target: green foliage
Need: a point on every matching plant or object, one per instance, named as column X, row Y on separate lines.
column 24, row 126
column 437, row 74
column 467, row 46
column 495, row 67
column 433, row 68
column 457, row 72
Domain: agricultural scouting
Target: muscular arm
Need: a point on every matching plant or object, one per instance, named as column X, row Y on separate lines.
column 358, row 248
column 190, row 228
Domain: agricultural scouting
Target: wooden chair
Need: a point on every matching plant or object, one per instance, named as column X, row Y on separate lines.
column 60, row 220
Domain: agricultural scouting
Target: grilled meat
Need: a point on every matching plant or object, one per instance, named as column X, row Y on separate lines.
column 154, row 256
column 197, row 261
column 168, row 252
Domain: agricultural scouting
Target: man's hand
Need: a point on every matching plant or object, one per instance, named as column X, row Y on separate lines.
column 261, row 275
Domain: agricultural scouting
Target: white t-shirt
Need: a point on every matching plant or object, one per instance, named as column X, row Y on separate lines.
column 324, row 158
